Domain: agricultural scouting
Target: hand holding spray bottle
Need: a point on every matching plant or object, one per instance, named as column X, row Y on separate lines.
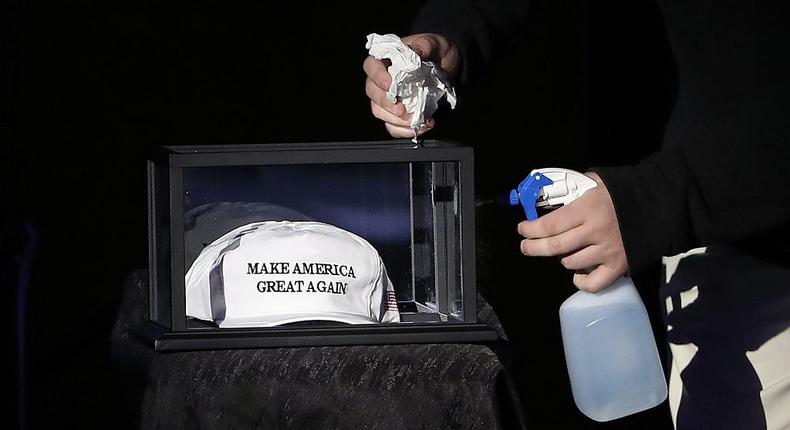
column 610, row 352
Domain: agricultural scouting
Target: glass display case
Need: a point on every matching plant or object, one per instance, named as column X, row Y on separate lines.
column 412, row 206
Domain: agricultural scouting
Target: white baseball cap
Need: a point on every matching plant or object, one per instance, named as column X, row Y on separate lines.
column 206, row 223
column 270, row 273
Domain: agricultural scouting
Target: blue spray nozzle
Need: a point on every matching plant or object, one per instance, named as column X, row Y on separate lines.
column 527, row 193
column 513, row 198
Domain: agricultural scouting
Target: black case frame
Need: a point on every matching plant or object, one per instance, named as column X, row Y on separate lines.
column 166, row 329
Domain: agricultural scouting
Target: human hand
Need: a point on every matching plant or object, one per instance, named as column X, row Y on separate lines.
column 430, row 47
column 585, row 233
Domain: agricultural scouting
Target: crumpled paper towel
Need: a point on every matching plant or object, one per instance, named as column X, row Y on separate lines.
column 419, row 84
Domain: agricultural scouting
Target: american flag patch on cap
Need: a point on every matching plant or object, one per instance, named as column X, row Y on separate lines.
column 392, row 301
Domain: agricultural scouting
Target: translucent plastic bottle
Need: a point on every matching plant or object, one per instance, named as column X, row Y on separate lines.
column 612, row 360
column 610, row 351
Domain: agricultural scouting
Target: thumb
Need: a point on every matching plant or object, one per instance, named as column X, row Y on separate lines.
column 416, row 48
column 435, row 48
column 423, row 46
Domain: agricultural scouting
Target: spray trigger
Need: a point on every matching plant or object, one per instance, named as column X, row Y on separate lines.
column 549, row 188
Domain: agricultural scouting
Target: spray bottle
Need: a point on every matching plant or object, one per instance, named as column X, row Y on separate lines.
column 611, row 355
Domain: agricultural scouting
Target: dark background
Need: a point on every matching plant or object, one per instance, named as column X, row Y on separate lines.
column 89, row 86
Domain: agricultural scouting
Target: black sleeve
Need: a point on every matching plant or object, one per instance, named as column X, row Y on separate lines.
column 480, row 28
column 722, row 176
column 723, row 179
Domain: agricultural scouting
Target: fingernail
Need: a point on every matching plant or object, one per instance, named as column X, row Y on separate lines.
column 416, row 49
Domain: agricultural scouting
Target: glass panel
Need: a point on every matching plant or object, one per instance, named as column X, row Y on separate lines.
column 423, row 236
column 370, row 200
column 410, row 212
column 455, row 302
column 436, row 248
column 448, row 245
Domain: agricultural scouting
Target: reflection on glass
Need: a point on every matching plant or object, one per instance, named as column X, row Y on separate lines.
column 407, row 211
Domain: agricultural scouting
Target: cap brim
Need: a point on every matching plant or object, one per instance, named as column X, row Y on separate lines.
column 273, row 320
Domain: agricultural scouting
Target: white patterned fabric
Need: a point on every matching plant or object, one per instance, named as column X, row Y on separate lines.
column 728, row 327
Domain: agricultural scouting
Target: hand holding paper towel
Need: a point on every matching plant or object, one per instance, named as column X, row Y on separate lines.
column 419, row 84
